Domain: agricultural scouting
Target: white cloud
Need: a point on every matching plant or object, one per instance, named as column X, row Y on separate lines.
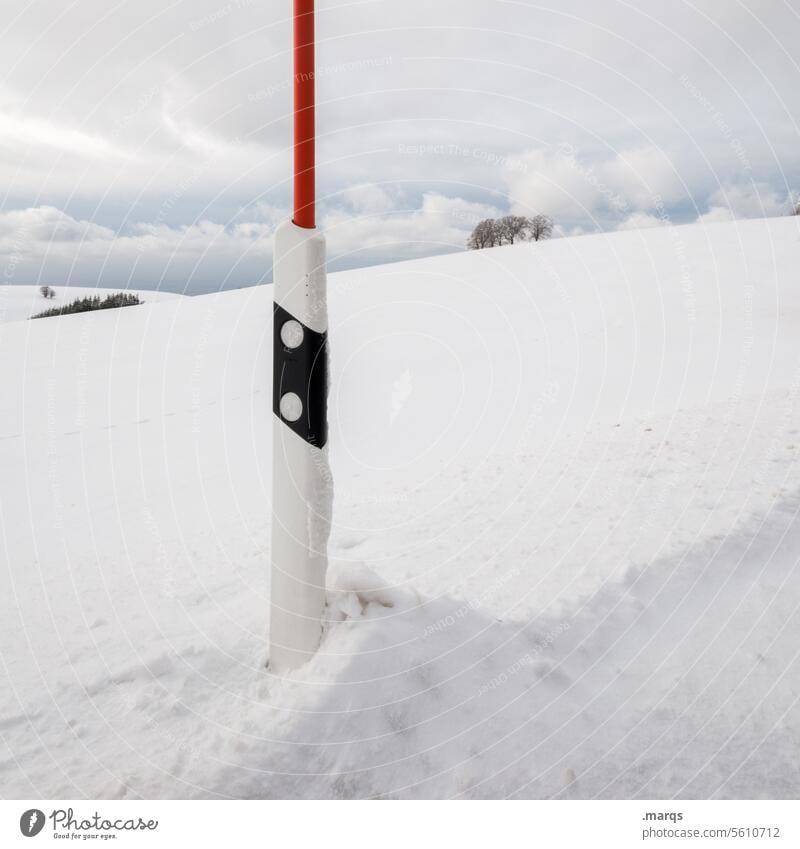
column 576, row 111
column 745, row 200
column 641, row 221
column 367, row 198
column 750, row 200
column 716, row 215
column 44, row 244
column 643, row 177
column 27, row 230
column 438, row 223
column 26, row 132
column 565, row 185
column 554, row 182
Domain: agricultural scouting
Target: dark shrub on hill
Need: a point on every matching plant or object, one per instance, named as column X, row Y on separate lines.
column 95, row 302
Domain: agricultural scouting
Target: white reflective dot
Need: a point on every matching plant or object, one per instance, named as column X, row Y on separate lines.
column 292, row 333
column 291, row 407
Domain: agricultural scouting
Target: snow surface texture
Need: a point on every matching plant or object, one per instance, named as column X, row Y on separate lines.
column 18, row 303
column 564, row 547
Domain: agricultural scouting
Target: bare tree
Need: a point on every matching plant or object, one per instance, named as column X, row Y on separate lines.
column 512, row 227
column 492, row 233
column 540, row 227
column 484, row 235
column 475, row 240
column 508, row 230
column 47, row 292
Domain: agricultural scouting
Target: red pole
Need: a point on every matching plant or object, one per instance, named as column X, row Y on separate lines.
column 303, row 215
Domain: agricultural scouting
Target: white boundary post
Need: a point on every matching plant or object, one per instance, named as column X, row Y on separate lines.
column 302, row 491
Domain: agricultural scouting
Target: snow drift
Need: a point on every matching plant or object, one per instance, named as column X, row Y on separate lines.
column 564, row 544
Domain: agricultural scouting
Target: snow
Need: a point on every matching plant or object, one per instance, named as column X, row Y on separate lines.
column 18, row 303
column 563, row 550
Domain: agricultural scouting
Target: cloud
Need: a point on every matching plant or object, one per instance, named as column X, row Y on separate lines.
column 716, row 215
column 579, row 191
column 438, row 224
column 750, row 200
column 641, row 221
column 25, row 132
column 368, row 198
column 46, row 245
column 644, row 177
column 178, row 113
column 28, row 230
column 553, row 182
column 745, row 200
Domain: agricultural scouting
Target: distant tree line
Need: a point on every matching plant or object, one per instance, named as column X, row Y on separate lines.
column 47, row 292
column 95, row 302
column 492, row 232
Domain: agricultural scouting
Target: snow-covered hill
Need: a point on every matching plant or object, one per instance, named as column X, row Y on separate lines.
column 18, row 303
column 564, row 550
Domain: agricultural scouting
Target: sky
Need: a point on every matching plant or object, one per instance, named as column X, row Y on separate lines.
column 149, row 143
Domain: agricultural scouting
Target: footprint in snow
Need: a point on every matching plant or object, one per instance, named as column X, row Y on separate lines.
column 148, row 670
